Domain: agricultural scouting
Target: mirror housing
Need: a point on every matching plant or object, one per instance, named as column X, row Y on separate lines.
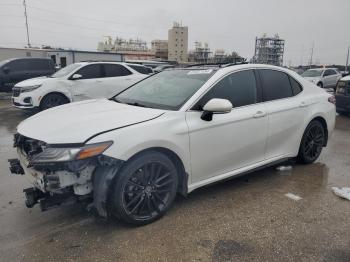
column 6, row 69
column 216, row 106
column 76, row 76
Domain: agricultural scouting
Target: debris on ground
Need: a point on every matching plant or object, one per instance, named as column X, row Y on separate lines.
column 343, row 192
column 284, row 168
column 293, row 196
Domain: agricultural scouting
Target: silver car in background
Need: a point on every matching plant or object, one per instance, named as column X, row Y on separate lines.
column 323, row 77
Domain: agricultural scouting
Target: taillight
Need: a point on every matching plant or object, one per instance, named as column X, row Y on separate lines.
column 331, row 99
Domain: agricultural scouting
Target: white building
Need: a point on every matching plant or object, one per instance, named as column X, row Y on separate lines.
column 178, row 43
column 60, row 57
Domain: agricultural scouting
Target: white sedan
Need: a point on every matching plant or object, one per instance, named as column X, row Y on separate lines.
column 171, row 133
column 76, row 82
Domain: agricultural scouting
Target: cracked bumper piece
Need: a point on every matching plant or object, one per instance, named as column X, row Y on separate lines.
column 65, row 174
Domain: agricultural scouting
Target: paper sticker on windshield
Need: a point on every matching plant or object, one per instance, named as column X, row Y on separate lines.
column 199, row 72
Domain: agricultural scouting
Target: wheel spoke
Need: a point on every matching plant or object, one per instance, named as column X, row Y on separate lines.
column 165, row 183
column 162, row 177
column 134, row 184
column 137, row 205
column 134, row 199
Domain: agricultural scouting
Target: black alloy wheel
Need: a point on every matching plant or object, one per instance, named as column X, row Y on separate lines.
column 145, row 189
column 312, row 142
column 53, row 100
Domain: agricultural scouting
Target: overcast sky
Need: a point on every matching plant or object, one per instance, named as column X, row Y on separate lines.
column 224, row 24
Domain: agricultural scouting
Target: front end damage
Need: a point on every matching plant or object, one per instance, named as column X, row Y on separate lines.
column 62, row 174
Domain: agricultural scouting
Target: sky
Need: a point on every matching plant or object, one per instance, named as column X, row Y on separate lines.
column 224, row 24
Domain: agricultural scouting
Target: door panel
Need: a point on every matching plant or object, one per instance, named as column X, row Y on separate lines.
column 228, row 142
column 285, row 123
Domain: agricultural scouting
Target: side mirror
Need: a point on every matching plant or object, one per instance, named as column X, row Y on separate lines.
column 6, row 69
column 76, row 76
column 216, row 106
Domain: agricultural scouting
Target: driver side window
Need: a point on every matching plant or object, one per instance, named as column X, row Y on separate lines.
column 90, row 71
column 239, row 88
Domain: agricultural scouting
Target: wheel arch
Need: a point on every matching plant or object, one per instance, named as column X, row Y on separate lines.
column 324, row 124
column 183, row 176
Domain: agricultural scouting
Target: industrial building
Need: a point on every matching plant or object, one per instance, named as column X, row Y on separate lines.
column 200, row 54
column 178, row 43
column 132, row 49
column 269, row 50
column 160, row 49
column 60, row 57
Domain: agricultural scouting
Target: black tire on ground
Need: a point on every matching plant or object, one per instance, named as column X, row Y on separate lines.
column 312, row 142
column 52, row 100
column 319, row 84
column 144, row 190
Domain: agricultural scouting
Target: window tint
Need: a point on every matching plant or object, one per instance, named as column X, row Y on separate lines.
column 90, row 71
column 17, row 65
column 141, row 69
column 275, row 84
column 296, row 87
column 239, row 88
column 38, row 65
column 329, row 72
column 114, row 70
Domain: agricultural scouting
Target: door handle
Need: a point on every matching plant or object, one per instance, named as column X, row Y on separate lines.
column 259, row 114
column 303, row 104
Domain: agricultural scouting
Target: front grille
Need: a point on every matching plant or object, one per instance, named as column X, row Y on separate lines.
column 16, row 92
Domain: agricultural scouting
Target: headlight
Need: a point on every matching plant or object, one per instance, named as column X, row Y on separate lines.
column 51, row 154
column 29, row 88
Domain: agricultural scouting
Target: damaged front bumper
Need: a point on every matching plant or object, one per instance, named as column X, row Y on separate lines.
column 56, row 183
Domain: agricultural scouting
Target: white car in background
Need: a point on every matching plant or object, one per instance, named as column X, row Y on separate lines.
column 77, row 82
column 323, row 77
column 171, row 133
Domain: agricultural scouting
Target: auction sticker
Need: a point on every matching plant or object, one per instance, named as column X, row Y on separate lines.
column 199, row 72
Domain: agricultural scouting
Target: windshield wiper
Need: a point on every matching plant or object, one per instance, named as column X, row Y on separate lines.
column 137, row 104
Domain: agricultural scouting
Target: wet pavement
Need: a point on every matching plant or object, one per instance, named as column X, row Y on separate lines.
column 244, row 219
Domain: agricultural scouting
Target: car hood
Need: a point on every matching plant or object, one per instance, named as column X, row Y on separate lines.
column 312, row 79
column 35, row 81
column 77, row 122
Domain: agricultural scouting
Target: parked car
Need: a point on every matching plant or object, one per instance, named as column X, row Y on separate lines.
column 141, row 69
column 171, row 133
column 342, row 96
column 76, row 82
column 162, row 68
column 323, row 77
column 15, row 70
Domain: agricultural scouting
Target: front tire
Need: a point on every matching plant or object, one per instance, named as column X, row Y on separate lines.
column 52, row 100
column 319, row 84
column 145, row 189
column 312, row 142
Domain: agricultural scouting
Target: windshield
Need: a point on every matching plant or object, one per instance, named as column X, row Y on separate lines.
column 312, row 73
column 165, row 90
column 66, row 70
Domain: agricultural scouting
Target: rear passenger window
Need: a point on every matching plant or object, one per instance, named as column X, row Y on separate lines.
column 90, row 71
column 275, row 84
column 140, row 69
column 38, row 65
column 296, row 87
column 239, row 88
column 114, row 70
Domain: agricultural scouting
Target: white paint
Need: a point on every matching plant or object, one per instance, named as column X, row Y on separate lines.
column 293, row 196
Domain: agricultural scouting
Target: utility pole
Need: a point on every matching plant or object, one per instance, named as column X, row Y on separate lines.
column 26, row 17
column 347, row 61
column 312, row 53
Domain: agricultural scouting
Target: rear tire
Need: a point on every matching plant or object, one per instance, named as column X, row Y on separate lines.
column 52, row 100
column 312, row 142
column 144, row 190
